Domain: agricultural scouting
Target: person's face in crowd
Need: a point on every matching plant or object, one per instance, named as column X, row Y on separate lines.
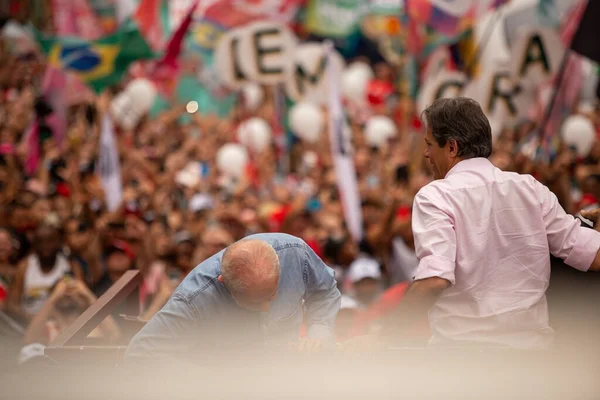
column 63, row 207
column 175, row 221
column 6, row 246
column 40, row 209
column 281, row 194
column 251, row 200
column 439, row 157
column 117, row 264
column 47, row 243
column 348, row 251
column 162, row 244
column 361, row 160
column 21, row 218
column 595, row 152
column 366, row 290
column 214, row 240
column 78, row 236
column 183, row 256
column 371, row 213
column 67, row 309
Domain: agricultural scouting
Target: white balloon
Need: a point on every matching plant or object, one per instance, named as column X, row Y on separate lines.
column 362, row 69
column 378, row 130
column 142, row 92
column 129, row 106
column 255, row 133
column 232, row 159
column 310, row 159
column 354, row 85
column 306, row 121
column 579, row 131
column 253, row 95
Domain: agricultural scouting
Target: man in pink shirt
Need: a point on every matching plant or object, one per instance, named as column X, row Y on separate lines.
column 483, row 238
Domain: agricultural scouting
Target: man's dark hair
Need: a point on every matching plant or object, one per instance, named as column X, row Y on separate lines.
column 463, row 120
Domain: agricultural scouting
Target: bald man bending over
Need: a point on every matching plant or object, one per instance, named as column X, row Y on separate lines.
column 250, row 294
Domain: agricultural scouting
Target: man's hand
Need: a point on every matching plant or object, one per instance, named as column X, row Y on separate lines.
column 592, row 215
column 308, row 345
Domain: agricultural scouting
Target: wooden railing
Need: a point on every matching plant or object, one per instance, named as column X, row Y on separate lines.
column 73, row 345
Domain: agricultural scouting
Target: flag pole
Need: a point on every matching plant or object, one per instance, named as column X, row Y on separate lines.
column 555, row 93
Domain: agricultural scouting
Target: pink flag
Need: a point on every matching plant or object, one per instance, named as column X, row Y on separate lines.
column 76, row 91
column 166, row 69
column 76, row 18
column 53, row 88
column 32, row 138
column 64, row 23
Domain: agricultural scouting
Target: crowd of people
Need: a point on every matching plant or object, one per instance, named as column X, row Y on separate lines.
column 60, row 247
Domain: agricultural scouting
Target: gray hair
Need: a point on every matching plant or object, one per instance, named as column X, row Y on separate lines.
column 460, row 119
column 248, row 261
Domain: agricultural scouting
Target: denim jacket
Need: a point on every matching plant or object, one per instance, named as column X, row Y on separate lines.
column 202, row 314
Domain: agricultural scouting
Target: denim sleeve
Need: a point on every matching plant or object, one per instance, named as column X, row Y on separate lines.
column 169, row 334
column 322, row 298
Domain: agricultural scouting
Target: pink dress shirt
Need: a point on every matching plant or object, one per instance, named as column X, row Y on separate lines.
column 490, row 233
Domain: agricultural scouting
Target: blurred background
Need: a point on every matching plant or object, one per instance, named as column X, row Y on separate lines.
column 151, row 134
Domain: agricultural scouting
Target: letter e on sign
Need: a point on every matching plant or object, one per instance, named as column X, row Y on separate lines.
column 267, row 50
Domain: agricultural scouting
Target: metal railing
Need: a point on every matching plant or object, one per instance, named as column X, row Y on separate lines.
column 73, row 345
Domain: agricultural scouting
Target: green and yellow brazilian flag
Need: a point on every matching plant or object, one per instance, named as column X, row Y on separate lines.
column 99, row 63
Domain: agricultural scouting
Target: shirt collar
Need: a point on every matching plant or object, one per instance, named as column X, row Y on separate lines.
column 470, row 165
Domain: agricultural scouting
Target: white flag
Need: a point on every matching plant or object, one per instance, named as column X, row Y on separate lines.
column 341, row 149
column 108, row 166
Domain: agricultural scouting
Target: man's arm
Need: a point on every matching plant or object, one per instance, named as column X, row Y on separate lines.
column 567, row 239
column 435, row 247
column 322, row 299
column 15, row 293
column 594, row 216
column 415, row 306
column 171, row 333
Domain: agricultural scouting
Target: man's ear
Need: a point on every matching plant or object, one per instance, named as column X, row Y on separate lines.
column 220, row 278
column 452, row 148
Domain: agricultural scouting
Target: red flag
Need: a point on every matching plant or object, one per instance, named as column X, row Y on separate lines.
column 165, row 71
column 55, row 82
column 150, row 17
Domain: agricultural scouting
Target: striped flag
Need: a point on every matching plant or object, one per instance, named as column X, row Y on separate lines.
column 53, row 88
column 108, row 167
column 571, row 85
column 341, row 150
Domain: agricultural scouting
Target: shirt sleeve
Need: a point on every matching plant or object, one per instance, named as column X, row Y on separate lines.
column 567, row 239
column 169, row 334
column 435, row 240
column 322, row 298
